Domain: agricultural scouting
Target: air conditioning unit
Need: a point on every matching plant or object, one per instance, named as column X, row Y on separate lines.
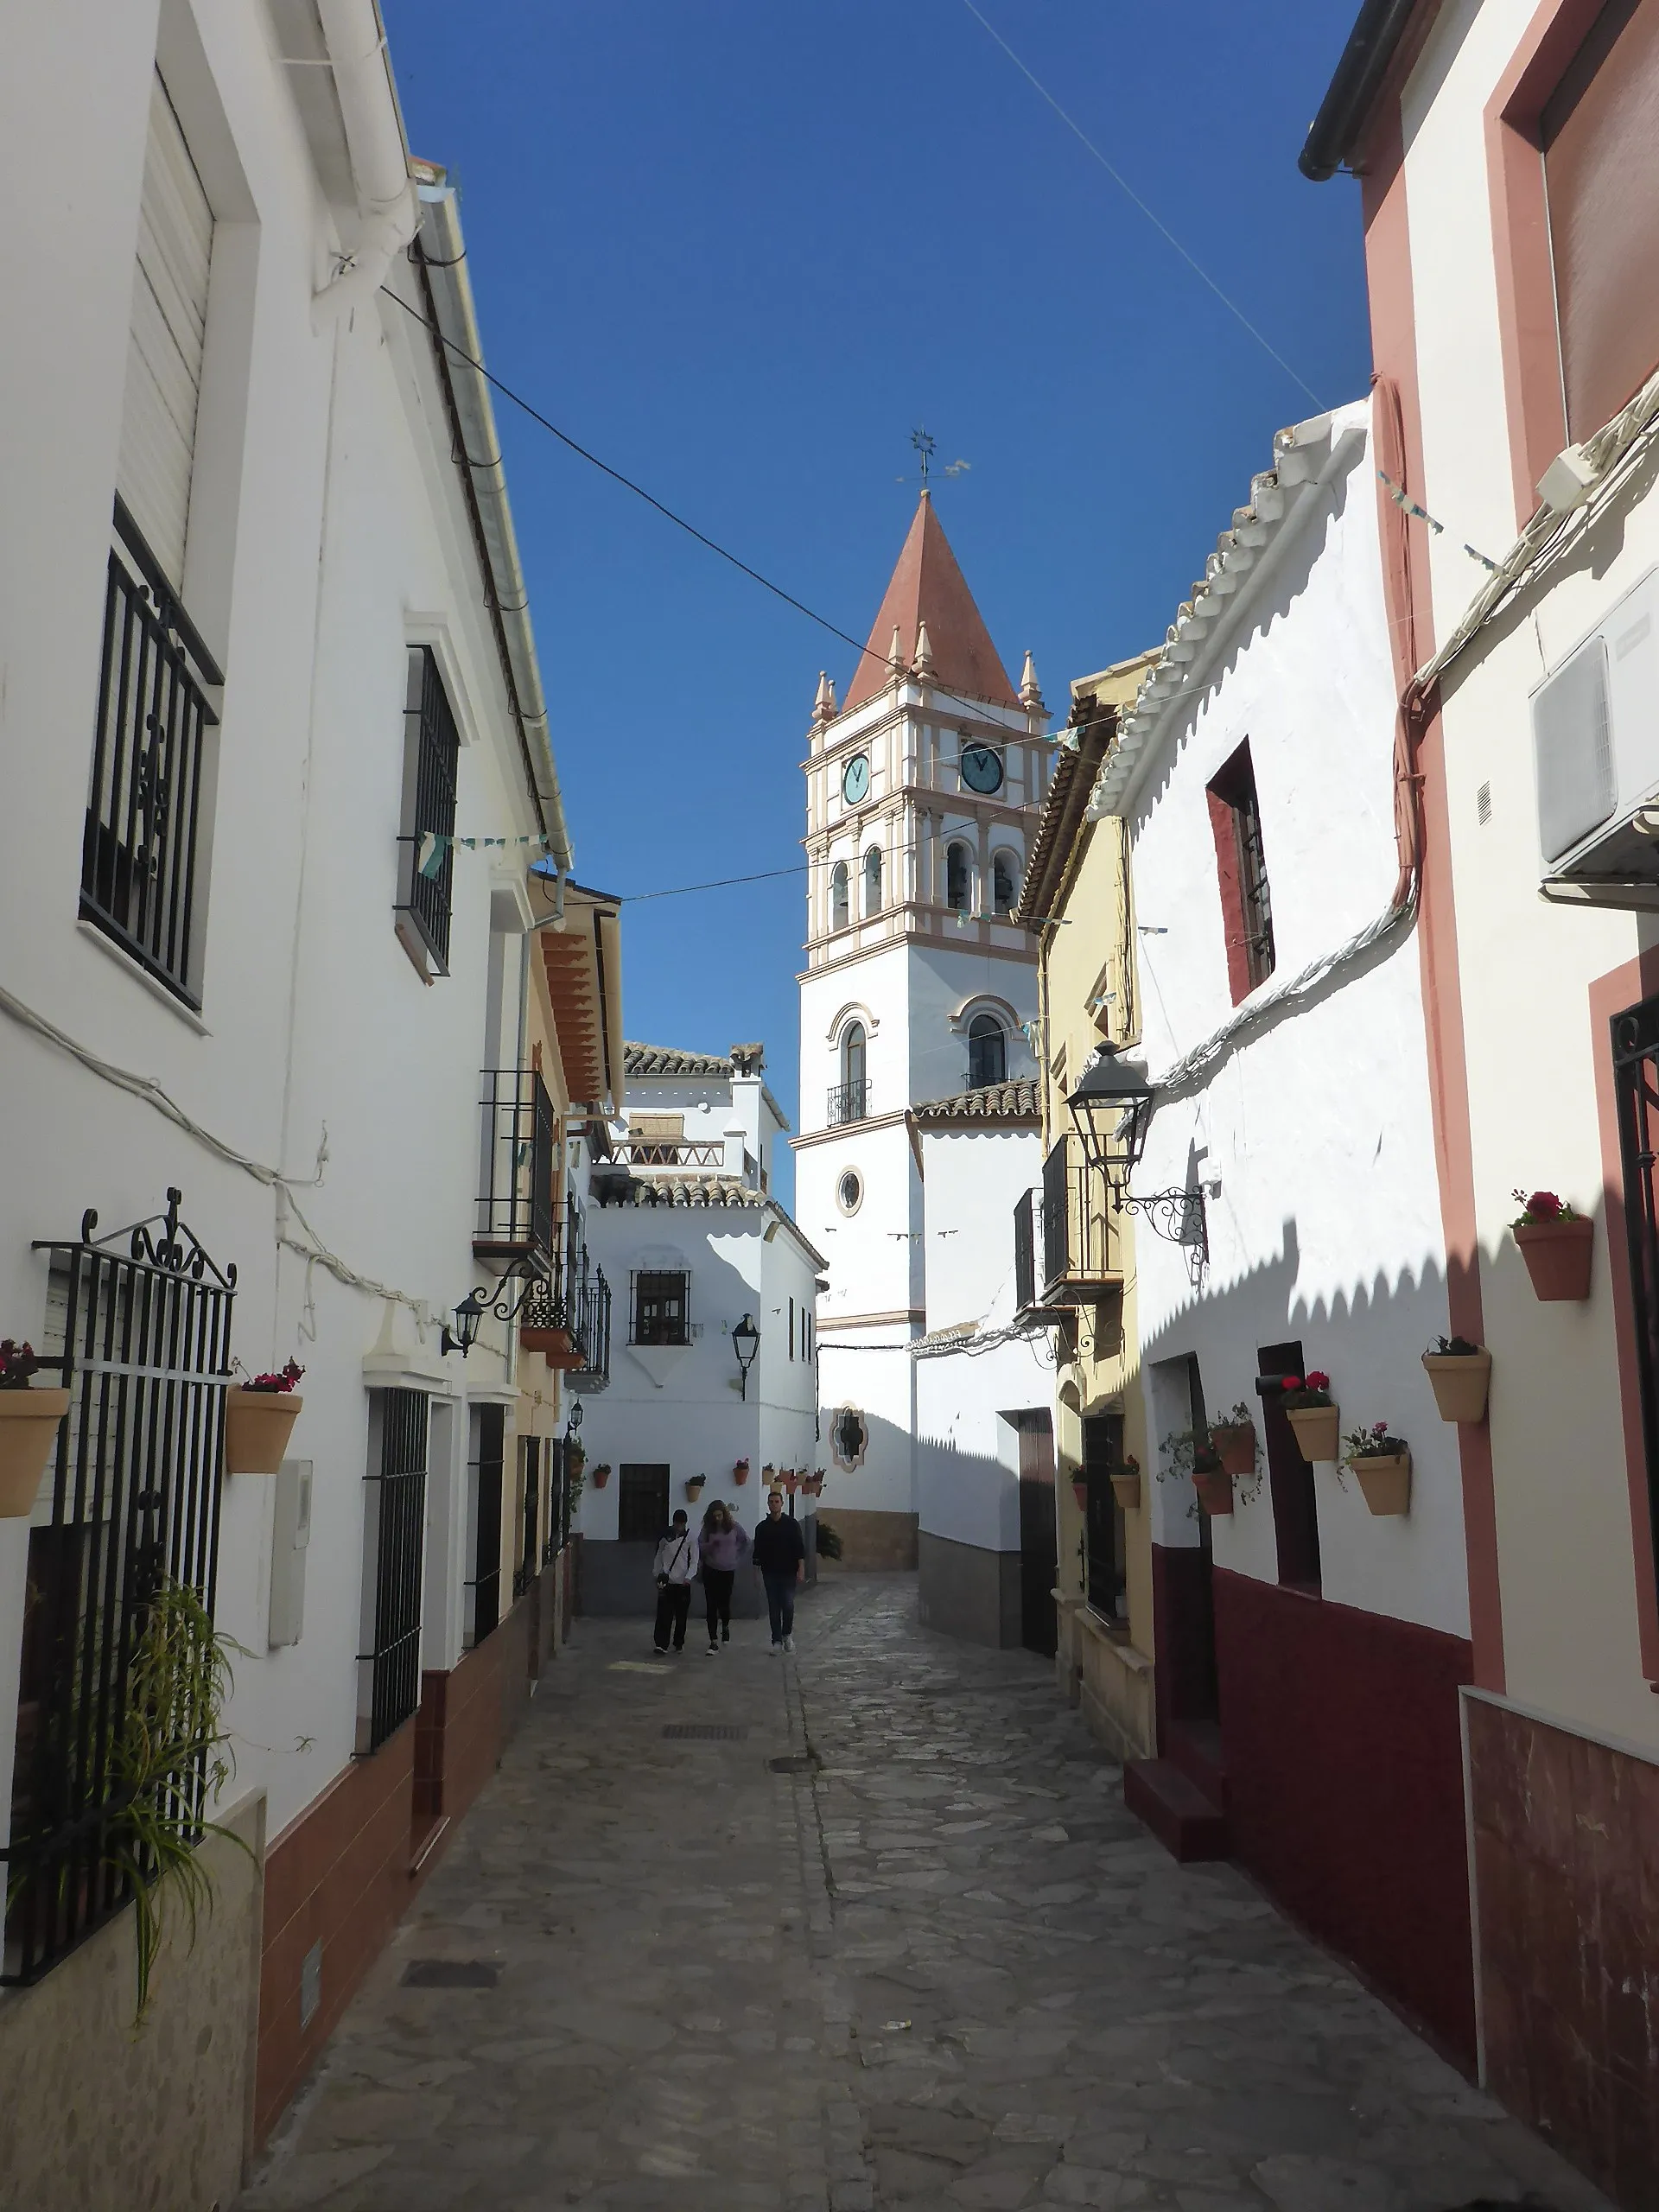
column 1595, row 744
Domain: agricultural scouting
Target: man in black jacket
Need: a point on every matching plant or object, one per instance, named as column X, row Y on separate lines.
column 780, row 1555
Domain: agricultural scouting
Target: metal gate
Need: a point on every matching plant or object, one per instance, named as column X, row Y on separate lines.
column 140, row 1327
column 1636, row 1079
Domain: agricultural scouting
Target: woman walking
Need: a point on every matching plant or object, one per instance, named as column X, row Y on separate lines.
column 722, row 1548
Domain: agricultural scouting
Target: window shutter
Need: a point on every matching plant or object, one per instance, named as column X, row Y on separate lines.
column 170, row 317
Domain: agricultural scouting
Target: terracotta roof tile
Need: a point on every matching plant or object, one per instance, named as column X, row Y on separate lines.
column 1019, row 1101
column 663, row 1059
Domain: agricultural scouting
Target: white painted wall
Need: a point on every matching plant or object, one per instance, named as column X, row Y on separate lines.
column 327, row 531
column 1327, row 1226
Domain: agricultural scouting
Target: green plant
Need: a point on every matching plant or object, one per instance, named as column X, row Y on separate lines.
column 575, row 1482
column 1303, row 1392
column 1541, row 1209
column 169, row 1760
column 1240, row 1417
column 1373, row 1443
column 1187, row 1451
column 1453, row 1348
column 278, row 1385
column 829, row 1541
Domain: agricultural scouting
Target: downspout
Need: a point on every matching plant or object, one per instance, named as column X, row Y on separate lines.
column 1346, row 107
column 356, row 41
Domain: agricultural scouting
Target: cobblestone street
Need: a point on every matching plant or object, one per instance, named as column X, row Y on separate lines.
column 888, row 1939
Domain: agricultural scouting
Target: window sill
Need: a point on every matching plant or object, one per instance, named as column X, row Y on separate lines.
column 157, row 989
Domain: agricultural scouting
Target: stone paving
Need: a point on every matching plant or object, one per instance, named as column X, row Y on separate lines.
column 935, row 1968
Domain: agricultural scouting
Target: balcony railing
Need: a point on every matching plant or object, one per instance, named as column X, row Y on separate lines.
column 515, row 1203
column 848, row 1102
column 145, row 810
column 567, row 1316
column 1065, row 1237
column 708, row 1154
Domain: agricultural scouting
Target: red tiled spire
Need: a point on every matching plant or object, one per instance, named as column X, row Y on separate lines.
column 928, row 587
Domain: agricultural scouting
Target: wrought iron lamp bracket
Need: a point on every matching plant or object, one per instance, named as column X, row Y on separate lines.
column 1179, row 1216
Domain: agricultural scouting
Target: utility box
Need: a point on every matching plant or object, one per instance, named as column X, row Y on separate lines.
column 290, row 1538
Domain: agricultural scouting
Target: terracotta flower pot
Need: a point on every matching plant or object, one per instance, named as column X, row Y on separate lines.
column 1318, row 1430
column 1385, row 1482
column 1126, row 1487
column 601, row 1476
column 1080, row 1492
column 1215, row 1491
column 1235, row 1443
column 1461, row 1380
column 1557, row 1254
column 694, row 1486
column 257, row 1425
column 741, row 1472
column 29, row 1420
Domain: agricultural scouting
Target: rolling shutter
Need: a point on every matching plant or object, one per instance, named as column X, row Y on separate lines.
column 169, row 315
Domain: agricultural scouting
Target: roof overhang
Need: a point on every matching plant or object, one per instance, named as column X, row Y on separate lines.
column 581, row 959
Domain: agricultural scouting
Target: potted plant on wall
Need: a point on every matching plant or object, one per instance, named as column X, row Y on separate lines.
column 29, row 1420
column 1312, row 1414
column 602, row 1474
column 1461, row 1374
column 1555, row 1243
column 1210, row 1479
column 740, row 1472
column 259, row 1418
column 1382, row 1466
column 1126, row 1483
column 1234, row 1438
column 694, row 1486
column 1080, row 1490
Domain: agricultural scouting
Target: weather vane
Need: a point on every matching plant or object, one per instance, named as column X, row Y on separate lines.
column 922, row 441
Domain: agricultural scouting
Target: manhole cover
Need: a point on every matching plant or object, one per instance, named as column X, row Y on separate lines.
column 797, row 1763
column 451, row 1973
column 703, row 1732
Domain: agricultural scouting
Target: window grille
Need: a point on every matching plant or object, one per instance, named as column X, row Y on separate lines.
column 431, row 766
column 394, row 1547
column 849, row 1101
column 1636, row 1079
column 141, row 1322
column 485, row 1585
column 141, row 849
column 660, row 1309
column 520, row 1157
column 530, row 1504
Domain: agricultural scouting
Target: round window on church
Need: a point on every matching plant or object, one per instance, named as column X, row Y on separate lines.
column 849, row 1192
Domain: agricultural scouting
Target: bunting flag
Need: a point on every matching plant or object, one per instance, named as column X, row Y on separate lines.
column 435, row 843
column 1406, row 505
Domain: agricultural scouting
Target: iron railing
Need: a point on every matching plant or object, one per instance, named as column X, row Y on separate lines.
column 517, row 1156
column 670, row 1152
column 143, row 1320
column 848, row 1102
column 568, row 1312
column 529, row 1561
column 394, row 1535
column 1028, row 1248
column 1079, row 1230
column 593, row 1332
column 1636, row 1090
column 484, row 1587
column 431, row 766
column 140, row 856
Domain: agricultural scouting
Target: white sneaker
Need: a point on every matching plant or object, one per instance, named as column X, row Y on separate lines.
column 789, row 1643
column 774, row 1649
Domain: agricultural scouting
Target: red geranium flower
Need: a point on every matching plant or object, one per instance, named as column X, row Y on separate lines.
column 1292, row 1383
column 1317, row 1380
column 1545, row 1205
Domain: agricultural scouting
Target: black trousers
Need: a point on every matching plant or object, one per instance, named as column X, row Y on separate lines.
column 717, row 1599
column 673, row 1606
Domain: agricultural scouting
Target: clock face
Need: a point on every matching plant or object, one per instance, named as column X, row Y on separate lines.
column 855, row 780
column 981, row 768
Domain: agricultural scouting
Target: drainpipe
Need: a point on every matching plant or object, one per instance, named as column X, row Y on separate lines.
column 356, row 41
column 1346, row 107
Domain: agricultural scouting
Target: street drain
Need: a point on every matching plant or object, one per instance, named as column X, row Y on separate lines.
column 797, row 1763
column 451, row 1973
column 702, row 1732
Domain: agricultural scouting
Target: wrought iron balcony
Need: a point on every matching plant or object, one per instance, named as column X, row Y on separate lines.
column 848, row 1102
column 1066, row 1236
column 518, row 1154
column 567, row 1317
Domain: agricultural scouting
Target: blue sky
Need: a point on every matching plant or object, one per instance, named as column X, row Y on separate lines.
column 739, row 250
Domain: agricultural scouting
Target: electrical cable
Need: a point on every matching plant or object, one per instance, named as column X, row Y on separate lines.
column 1131, row 194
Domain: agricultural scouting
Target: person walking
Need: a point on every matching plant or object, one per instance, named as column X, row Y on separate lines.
column 780, row 1554
column 722, row 1548
column 674, row 1565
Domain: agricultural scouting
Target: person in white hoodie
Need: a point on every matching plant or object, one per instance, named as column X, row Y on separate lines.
column 675, row 1566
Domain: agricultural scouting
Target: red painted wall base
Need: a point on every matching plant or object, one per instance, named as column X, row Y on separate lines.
column 1345, row 1787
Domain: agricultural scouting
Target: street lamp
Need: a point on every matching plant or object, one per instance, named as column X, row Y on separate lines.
column 1111, row 1111
column 746, row 1343
column 464, row 1335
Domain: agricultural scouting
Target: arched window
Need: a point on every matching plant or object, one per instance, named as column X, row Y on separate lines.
column 851, row 1101
column 1005, row 883
column 838, row 913
column 872, row 880
column 958, row 877
column 988, row 1052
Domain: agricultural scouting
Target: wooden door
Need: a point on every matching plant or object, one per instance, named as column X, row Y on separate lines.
column 1038, row 1534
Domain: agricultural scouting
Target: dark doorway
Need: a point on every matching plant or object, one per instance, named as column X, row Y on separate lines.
column 1295, row 1514
column 1104, row 1546
column 642, row 1504
column 1038, row 1526
column 1184, row 1598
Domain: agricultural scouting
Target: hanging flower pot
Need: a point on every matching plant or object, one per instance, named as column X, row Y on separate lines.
column 1126, row 1484
column 1234, row 1439
column 259, row 1418
column 1215, row 1488
column 1080, row 1492
column 602, row 1474
column 1315, row 1420
column 1556, row 1244
column 1384, row 1478
column 741, row 1472
column 29, row 1420
column 1460, row 1374
column 694, row 1486
column 791, row 1481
